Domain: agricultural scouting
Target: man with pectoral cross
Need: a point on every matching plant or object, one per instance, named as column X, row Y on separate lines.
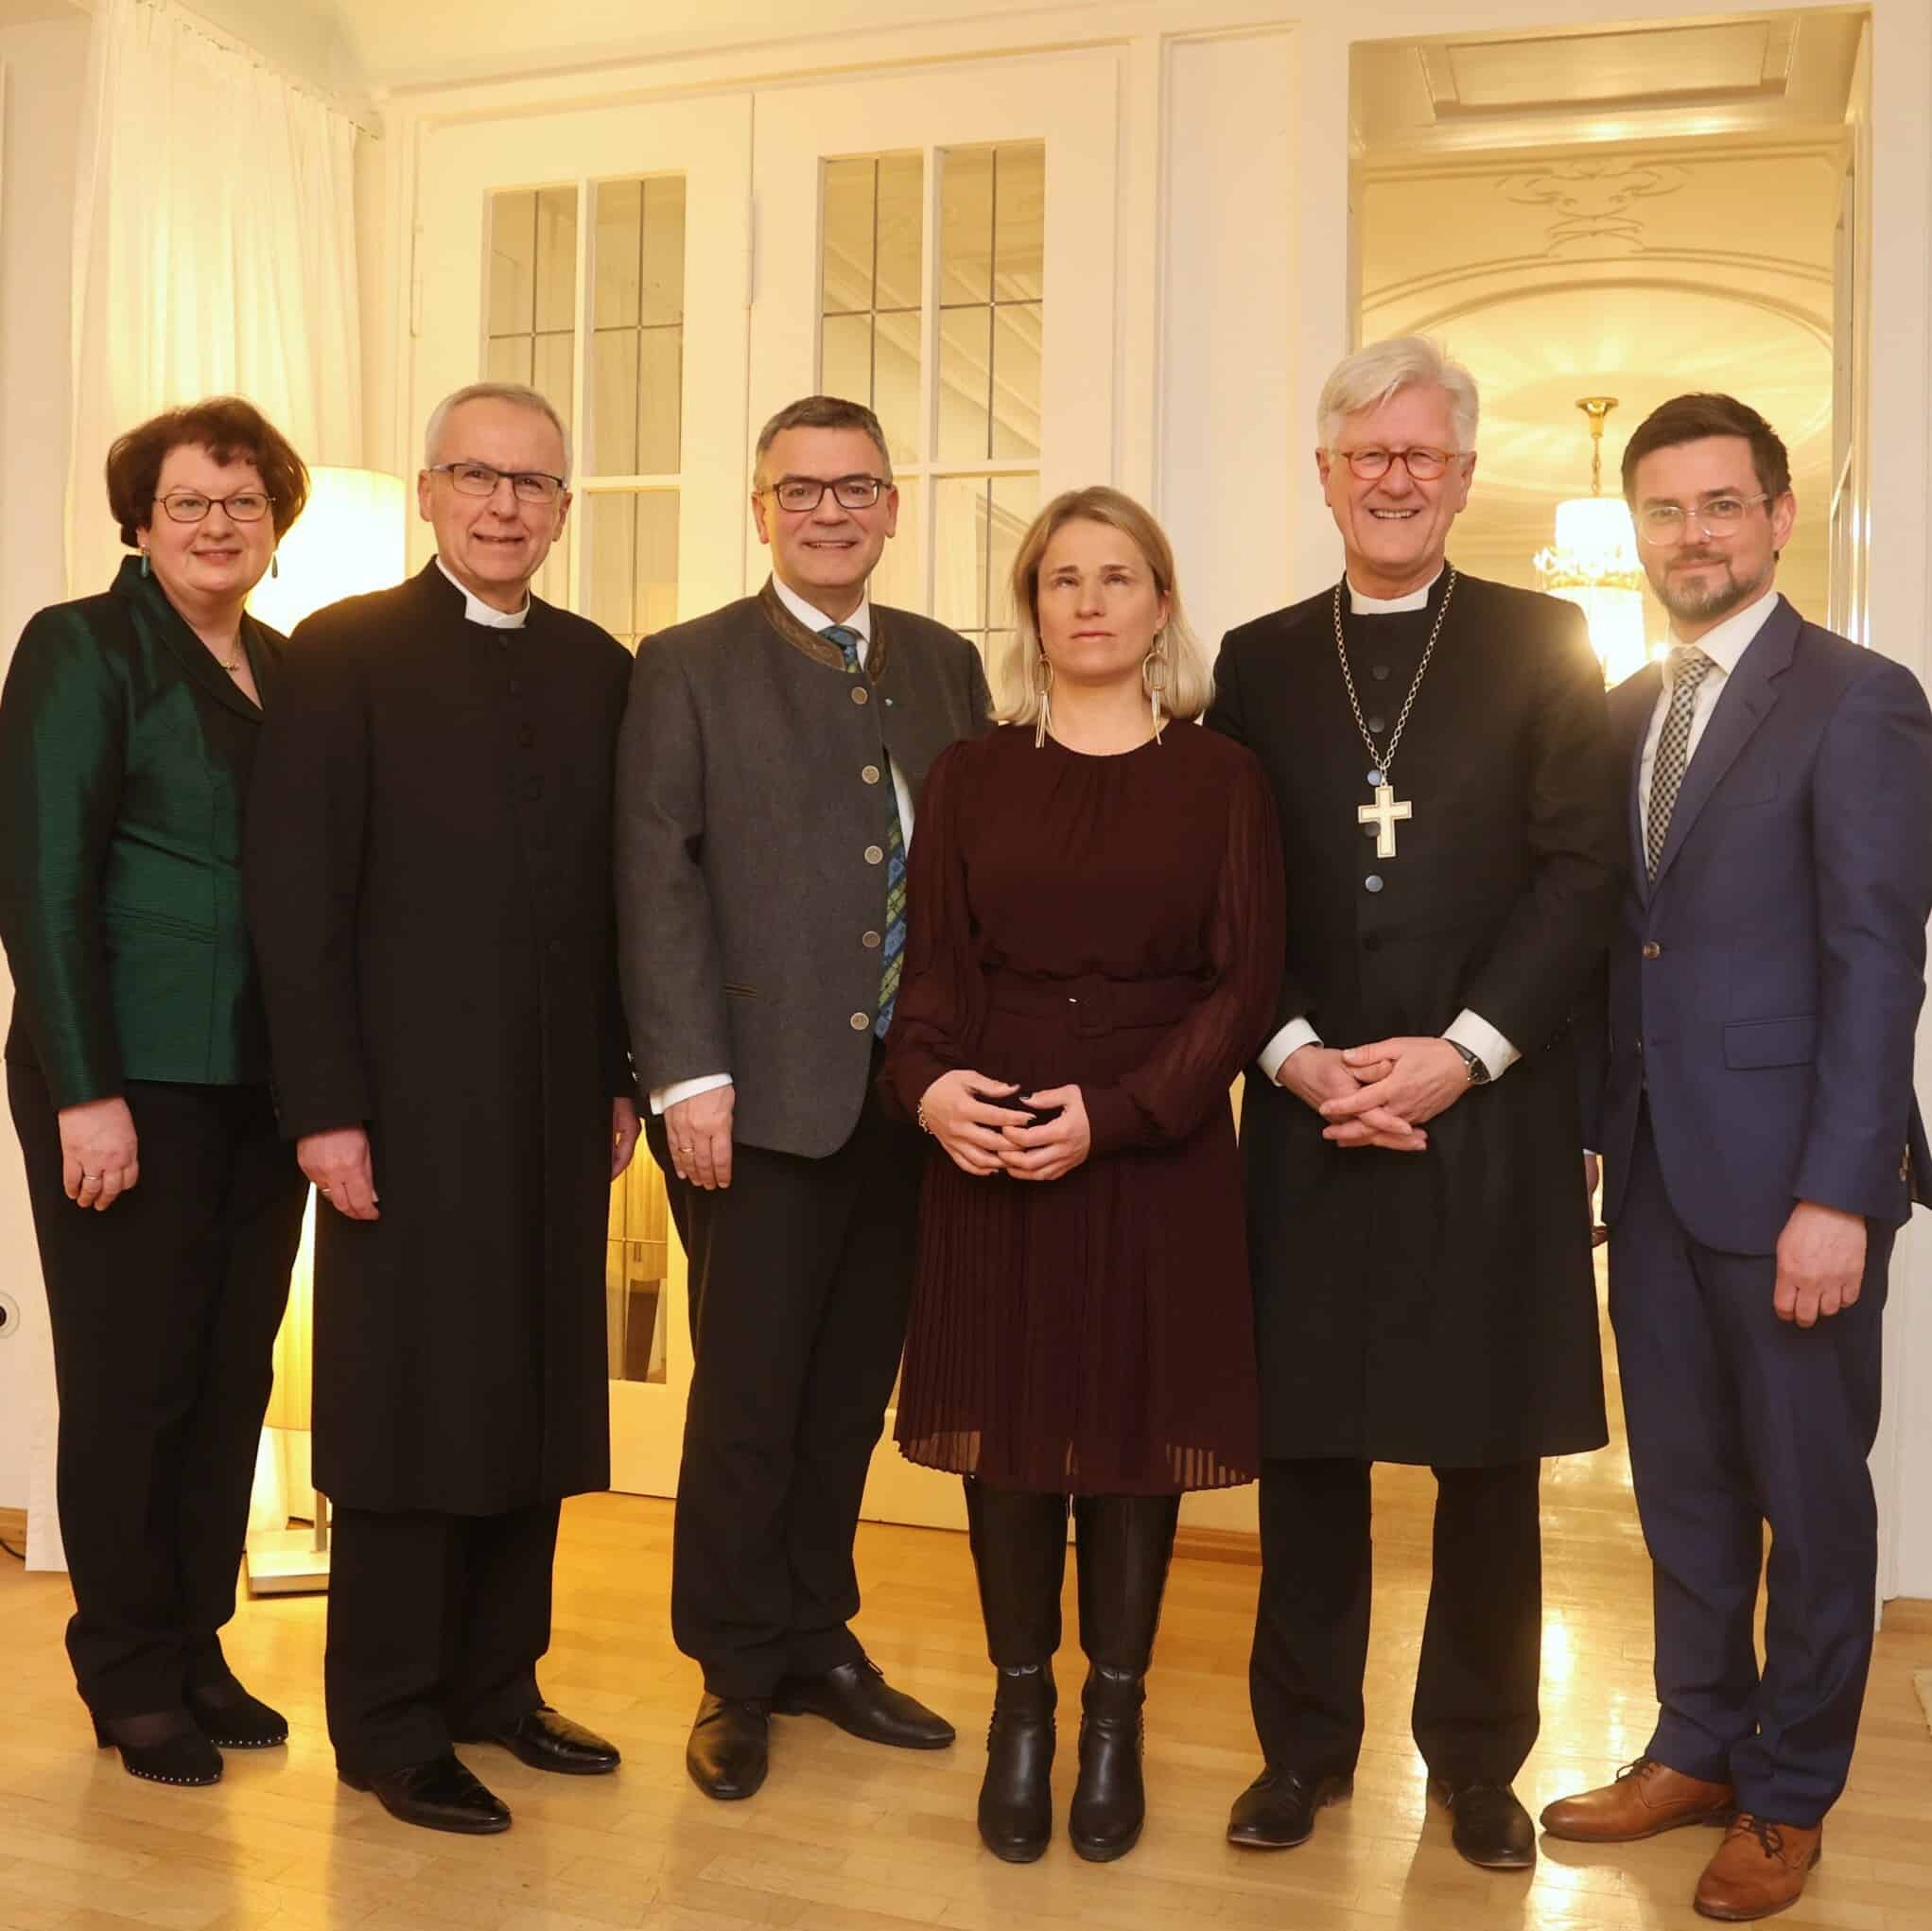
column 1752, row 1103
column 1438, row 748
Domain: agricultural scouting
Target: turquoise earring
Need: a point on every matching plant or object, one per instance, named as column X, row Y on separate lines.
column 275, row 564
column 144, row 563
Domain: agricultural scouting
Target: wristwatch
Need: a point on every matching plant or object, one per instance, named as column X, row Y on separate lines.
column 1478, row 1072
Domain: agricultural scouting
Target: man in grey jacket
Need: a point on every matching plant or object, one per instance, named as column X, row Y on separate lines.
column 769, row 773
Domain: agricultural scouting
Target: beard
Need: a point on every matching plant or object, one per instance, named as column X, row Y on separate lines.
column 1706, row 601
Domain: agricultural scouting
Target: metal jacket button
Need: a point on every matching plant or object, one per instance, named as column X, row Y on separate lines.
column 870, row 941
column 859, row 1022
column 860, row 695
column 1652, row 949
column 870, row 774
column 872, row 854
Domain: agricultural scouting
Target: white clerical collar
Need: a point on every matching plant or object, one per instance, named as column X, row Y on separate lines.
column 814, row 618
column 477, row 611
column 1726, row 642
column 1360, row 605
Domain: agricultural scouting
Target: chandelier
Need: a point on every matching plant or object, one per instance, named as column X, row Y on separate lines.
column 1594, row 562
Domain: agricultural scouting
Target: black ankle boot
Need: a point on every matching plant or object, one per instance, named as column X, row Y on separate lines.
column 1124, row 1542
column 165, row 1747
column 1016, row 1798
column 1020, row 1552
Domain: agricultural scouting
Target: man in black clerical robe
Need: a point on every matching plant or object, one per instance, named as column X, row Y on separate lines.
column 1419, row 1237
column 429, row 892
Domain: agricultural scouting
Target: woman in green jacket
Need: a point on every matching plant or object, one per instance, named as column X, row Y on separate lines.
column 167, row 1207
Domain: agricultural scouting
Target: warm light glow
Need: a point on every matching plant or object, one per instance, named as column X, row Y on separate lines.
column 1593, row 565
column 349, row 540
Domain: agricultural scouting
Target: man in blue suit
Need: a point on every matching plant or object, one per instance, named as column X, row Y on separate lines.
column 1761, row 1146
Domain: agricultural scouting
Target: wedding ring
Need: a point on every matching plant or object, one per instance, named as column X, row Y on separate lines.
column 684, row 1149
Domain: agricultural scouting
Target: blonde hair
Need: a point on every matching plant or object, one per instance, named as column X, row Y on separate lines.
column 1016, row 674
column 1374, row 373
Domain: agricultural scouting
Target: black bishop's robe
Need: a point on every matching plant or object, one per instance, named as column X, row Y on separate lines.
column 429, row 889
column 1434, row 1307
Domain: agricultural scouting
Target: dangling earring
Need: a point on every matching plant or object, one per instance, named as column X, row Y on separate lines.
column 144, row 561
column 1154, row 681
column 275, row 562
column 1042, row 685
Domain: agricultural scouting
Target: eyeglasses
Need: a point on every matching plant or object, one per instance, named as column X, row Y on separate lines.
column 190, row 506
column 1666, row 523
column 797, row 493
column 1424, row 466
column 479, row 480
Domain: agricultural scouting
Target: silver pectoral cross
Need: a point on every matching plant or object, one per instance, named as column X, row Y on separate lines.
column 1385, row 814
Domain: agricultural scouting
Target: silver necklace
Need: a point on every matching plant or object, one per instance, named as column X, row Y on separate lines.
column 1387, row 810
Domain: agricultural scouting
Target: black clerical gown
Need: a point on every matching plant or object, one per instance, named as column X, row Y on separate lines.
column 1436, row 1307
column 429, row 872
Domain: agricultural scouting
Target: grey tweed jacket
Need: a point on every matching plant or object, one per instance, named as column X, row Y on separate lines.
column 751, row 803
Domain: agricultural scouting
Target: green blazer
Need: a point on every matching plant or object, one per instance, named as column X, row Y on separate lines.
column 125, row 753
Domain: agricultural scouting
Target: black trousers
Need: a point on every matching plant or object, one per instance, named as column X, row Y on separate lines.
column 1476, row 1712
column 801, row 1279
column 164, row 1311
column 436, row 1625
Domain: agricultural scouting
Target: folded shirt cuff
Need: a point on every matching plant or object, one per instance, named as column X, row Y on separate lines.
column 1473, row 1031
column 679, row 1091
column 1291, row 1039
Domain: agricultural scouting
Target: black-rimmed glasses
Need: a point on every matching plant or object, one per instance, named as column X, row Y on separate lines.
column 795, row 493
column 480, row 479
column 191, row 506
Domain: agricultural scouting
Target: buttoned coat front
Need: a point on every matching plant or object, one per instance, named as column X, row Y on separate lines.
column 1434, row 1307
column 752, row 810
column 430, row 887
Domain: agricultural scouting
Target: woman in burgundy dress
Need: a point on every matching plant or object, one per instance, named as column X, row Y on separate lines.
column 1094, row 951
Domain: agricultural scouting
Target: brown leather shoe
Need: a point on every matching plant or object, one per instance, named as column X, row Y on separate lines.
column 1759, row 1870
column 1648, row 1796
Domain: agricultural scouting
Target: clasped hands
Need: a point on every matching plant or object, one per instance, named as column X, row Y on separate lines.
column 1381, row 1094
column 983, row 1138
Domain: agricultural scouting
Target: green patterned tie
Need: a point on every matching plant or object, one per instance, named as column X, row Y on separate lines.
column 893, row 959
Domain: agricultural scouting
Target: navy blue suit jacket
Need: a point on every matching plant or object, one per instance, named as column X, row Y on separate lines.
column 1765, row 985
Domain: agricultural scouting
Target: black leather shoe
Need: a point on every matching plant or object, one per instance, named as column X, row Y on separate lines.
column 547, row 1741
column 727, row 1755
column 230, row 1719
column 1277, row 1811
column 1490, row 1827
column 177, row 1755
column 1016, row 1814
column 858, row 1699
column 439, row 1795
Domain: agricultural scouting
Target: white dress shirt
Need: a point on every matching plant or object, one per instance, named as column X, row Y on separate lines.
column 1724, row 644
column 813, row 619
column 1468, row 1029
column 477, row 611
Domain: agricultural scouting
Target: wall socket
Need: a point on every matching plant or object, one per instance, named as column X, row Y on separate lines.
column 10, row 1317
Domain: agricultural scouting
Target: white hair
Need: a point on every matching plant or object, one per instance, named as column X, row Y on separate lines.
column 1373, row 373
column 515, row 393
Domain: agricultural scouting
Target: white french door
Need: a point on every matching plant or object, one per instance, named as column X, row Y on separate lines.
column 941, row 246
column 600, row 256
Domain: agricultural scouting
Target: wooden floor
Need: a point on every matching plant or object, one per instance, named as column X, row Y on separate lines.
column 846, row 1837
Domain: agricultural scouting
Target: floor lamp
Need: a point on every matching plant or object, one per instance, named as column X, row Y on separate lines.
column 349, row 540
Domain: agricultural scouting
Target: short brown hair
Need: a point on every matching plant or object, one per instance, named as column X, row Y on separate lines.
column 229, row 429
column 819, row 412
column 1691, row 419
column 1190, row 676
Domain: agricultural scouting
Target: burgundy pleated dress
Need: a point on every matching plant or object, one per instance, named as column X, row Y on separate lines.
column 1114, row 922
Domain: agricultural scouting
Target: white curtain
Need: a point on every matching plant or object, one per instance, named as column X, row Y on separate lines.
column 214, row 253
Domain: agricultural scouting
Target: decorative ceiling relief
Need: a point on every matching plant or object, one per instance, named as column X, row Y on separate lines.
column 1597, row 203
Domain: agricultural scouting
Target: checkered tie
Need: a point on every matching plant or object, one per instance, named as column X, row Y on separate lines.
column 1689, row 667
column 892, row 959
